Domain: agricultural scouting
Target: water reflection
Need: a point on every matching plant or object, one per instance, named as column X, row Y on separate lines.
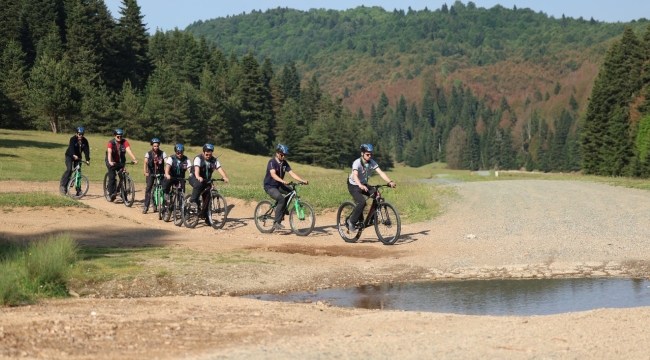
column 493, row 297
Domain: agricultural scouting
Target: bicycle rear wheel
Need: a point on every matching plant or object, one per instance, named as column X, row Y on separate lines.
column 178, row 210
column 128, row 194
column 264, row 217
column 190, row 214
column 107, row 194
column 342, row 216
column 387, row 223
column 77, row 188
column 303, row 220
column 218, row 211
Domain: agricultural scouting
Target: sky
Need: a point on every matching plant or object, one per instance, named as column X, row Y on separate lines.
column 169, row 14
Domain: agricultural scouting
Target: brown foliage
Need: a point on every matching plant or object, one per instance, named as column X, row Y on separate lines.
column 454, row 148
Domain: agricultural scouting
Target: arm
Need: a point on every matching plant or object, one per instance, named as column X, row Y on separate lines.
column 167, row 176
column 144, row 167
column 276, row 177
column 355, row 175
column 87, row 151
column 128, row 150
column 109, row 156
column 385, row 177
column 295, row 176
column 197, row 174
column 223, row 175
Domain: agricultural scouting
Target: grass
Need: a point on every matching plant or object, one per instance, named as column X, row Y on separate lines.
column 37, row 199
column 39, row 269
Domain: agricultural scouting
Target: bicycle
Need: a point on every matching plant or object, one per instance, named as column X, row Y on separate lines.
column 301, row 215
column 124, row 186
column 78, row 184
column 175, row 207
column 382, row 215
column 157, row 197
column 214, row 208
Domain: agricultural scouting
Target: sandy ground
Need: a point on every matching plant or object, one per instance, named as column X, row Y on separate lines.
column 521, row 229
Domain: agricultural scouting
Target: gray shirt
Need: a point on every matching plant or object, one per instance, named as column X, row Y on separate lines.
column 365, row 171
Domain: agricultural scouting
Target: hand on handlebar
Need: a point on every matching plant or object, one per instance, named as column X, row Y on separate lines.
column 363, row 187
column 392, row 184
column 168, row 177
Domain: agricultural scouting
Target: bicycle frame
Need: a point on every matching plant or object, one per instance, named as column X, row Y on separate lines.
column 292, row 195
column 206, row 194
column 372, row 212
column 76, row 172
column 157, row 193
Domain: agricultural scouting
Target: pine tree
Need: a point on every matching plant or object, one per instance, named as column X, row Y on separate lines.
column 13, row 86
column 251, row 134
column 133, row 43
column 290, row 80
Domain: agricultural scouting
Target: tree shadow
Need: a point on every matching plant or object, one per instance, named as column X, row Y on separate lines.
column 102, row 237
column 12, row 144
column 8, row 155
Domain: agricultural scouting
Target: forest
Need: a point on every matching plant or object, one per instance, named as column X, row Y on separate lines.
column 249, row 81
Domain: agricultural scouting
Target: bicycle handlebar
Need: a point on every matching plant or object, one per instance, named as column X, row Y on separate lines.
column 293, row 183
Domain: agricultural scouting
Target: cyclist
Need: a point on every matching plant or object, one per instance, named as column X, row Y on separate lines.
column 175, row 168
column 204, row 165
column 116, row 158
column 152, row 166
column 362, row 168
column 78, row 145
column 274, row 183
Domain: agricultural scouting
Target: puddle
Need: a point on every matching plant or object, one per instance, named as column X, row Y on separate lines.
column 486, row 297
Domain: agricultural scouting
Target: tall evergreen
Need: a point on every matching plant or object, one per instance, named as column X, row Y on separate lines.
column 133, row 42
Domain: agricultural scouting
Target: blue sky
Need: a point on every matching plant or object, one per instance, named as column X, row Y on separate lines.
column 168, row 14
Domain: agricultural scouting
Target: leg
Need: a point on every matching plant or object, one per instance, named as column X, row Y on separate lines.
column 65, row 178
column 360, row 199
column 197, row 188
column 147, row 193
column 111, row 176
column 277, row 194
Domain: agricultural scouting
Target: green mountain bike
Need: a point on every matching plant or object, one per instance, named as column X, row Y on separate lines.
column 78, row 184
column 301, row 215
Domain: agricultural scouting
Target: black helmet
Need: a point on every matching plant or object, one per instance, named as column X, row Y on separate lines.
column 154, row 140
column 118, row 132
column 179, row 148
column 366, row 147
column 282, row 149
column 208, row 147
column 81, row 130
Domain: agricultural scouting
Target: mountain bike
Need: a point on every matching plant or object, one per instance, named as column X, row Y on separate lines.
column 382, row 215
column 125, row 187
column 157, row 196
column 78, row 184
column 175, row 207
column 213, row 208
column 301, row 215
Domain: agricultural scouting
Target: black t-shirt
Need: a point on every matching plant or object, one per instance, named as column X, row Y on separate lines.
column 77, row 147
column 280, row 167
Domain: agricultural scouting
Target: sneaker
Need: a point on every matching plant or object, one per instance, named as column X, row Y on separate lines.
column 62, row 190
column 351, row 226
column 278, row 226
column 79, row 193
column 144, row 210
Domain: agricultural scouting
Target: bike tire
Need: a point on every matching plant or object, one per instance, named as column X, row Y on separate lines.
column 302, row 227
column 218, row 211
column 128, row 191
column 190, row 213
column 264, row 217
column 178, row 210
column 166, row 210
column 107, row 194
column 75, row 192
column 342, row 215
column 387, row 223
column 153, row 198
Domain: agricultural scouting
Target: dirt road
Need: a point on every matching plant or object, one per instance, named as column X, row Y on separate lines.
column 521, row 229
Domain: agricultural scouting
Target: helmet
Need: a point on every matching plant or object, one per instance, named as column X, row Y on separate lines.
column 154, row 140
column 366, row 147
column 179, row 148
column 208, row 147
column 118, row 132
column 81, row 130
column 282, row 149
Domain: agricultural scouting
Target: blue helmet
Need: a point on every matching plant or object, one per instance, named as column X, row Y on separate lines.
column 179, row 148
column 208, row 147
column 366, row 147
column 118, row 132
column 282, row 149
column 81, row 130
column 154, row 140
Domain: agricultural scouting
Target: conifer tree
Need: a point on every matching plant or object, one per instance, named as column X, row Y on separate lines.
column 133, row 41
column 13, row 85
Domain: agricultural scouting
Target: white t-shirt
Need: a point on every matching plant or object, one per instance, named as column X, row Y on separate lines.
column 364, row 171
column 170, row 162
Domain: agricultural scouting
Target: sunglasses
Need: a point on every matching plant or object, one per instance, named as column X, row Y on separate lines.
column 367, row 154
column 118, row 136
column 80, row 134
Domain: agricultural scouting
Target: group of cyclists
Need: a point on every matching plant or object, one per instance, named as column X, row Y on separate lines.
column 175, row 167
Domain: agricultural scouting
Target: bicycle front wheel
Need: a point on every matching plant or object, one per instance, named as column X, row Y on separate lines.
column 303, row 219
column 166, row 209
column 128, row 194
column 107, row 194
column 190, row 213
column 342, row 216
column 264, row 217
column 78, row 187
column 179, row 210
column 387, row 223
column 218, row 212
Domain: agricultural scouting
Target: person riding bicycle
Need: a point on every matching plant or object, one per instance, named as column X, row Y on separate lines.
column 203, row 167
column 362, row 168
column 116, row 158
column 274, row 183
column 152, row 166
column 175, row 168
column 78, row 144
